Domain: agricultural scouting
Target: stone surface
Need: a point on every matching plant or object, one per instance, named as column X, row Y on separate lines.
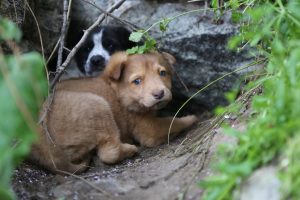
column 48, row 15
column 199, row 45
column 262, row 184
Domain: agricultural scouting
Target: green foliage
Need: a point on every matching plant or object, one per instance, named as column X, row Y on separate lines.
column 8, row 30
column 273, row 27
column 136, row 36
column 291, row 169
column 149, row 42
column 22, row 89
column 163, row 25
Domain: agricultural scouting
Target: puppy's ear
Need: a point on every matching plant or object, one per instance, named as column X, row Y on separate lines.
column 171, row 60
column 115, row 66
column 123, row 37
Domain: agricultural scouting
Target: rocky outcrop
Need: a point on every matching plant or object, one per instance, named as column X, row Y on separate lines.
column 199, row 44
column 49, row 18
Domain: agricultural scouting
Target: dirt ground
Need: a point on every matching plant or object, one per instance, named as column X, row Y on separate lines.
column 165, row 172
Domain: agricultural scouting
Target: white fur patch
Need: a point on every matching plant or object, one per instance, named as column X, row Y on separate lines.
column 98, row 49
column 72, row 71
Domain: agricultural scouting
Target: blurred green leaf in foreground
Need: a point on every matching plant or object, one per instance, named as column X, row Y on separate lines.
column 23, row 87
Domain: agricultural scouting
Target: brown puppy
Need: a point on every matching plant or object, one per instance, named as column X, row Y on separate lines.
column 103, row 112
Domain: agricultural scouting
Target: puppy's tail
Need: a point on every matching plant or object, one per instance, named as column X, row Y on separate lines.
column 47, row 158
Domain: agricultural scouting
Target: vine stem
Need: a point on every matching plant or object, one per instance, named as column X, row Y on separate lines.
column 176, row 16
column 205, row 87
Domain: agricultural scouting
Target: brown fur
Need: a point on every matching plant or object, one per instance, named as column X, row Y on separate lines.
column 104, row 112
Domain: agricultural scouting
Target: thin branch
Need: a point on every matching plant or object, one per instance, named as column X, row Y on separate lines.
column 53, row 51
column 40, row 36
column 180, row 80
column 45, row 112
column 131, row 26
column 87, row 182
column 15, row 9
column 57, row 43
column 64, row 30
column 62, row 68
column 208, row 85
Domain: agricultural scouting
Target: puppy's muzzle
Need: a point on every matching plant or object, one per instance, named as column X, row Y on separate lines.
column 97, row 62
column 158, row 95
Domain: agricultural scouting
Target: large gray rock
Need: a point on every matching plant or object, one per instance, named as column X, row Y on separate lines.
column 199, row 45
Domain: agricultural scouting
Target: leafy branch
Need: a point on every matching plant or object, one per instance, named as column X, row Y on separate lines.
column 149, row 42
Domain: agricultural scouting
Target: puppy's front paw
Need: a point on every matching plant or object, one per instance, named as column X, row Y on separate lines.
column 128, row 150
column 190, row 119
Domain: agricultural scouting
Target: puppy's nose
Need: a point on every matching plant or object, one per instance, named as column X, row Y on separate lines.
column 97, row 60
column 159, row 94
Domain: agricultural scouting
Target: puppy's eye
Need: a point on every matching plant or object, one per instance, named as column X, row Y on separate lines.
column 162, row 73
column 89, row 45
column 111, row 46
column 137, row 81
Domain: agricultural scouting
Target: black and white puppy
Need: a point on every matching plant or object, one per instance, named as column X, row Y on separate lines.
column 94, row 54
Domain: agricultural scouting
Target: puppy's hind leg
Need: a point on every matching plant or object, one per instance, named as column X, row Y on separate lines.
column 152, row 131
column 110, row 148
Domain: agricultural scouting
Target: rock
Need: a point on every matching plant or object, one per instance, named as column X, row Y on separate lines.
column 49, row 16
column 199, row 45
column 14, row 10
column 262, row 184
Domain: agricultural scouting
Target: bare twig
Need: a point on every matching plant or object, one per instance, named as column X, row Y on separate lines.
column 40, row 36
column 57, row 43
column 15, row 9
column 130, row 25
column 81, row 41
column 64, row 30
column 53, row 51
column 87, row 182
column 45, row 112
column 180, row 80
column 67, row 49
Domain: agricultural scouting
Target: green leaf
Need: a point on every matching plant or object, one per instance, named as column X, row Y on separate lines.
column 9, row 30
column 164, row 24
column 136, row 36
column 132, row 50
column 236, row 16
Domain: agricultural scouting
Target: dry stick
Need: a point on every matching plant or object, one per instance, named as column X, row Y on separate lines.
column 132, row 26
column 82, row 40
column 15, row 9
column 180, row 80
column 64, row 30
column 41, row 39
column 177, row 75
column 87, row 182
column 53, row 51
column 57, row 43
